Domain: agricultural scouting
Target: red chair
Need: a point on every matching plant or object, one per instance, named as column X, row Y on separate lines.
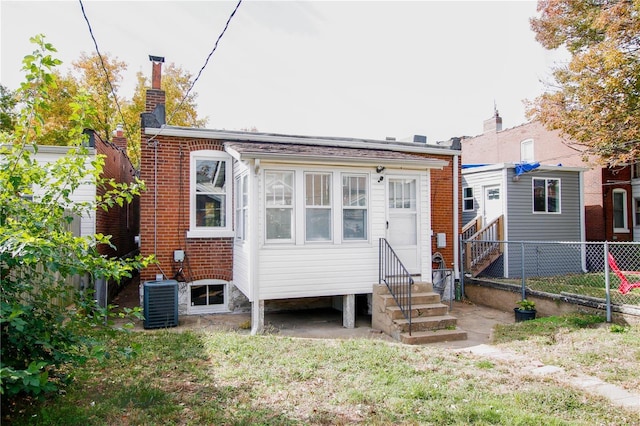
column 625, row 285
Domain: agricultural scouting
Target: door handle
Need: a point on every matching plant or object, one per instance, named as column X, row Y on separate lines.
column 387, row 224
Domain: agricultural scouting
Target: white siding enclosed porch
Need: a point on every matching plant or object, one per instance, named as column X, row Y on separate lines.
column 308, row 220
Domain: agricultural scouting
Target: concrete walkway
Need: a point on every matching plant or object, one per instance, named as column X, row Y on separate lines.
column 617, row 395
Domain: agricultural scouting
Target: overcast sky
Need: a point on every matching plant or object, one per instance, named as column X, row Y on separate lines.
column 362, row 69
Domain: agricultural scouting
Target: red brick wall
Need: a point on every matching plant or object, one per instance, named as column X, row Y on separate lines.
column 617, row 178
column 549, row 149
column 164, row 219
column 442, row 213
column 122, row 223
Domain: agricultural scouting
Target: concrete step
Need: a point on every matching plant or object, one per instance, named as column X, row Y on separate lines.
column 419, row 310
column 433, row 336
column 417, row 287
column 416, row 299
column 439, row 322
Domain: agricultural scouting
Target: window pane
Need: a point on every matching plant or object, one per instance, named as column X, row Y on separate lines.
column 279, row 224
column 317, row 190
column 354, row 193
column 318, row 224
column 279, row 188
column 210, row 210
column 354, row 224
column 402, row 194
column 198, row 295
column 618, row 210
column 468, row 204
column 216, row 294
column 553, row 196
column 539, row 195
column 210, row 176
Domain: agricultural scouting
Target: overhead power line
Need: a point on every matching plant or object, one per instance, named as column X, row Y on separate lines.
column 206, row 62
column 104, row 68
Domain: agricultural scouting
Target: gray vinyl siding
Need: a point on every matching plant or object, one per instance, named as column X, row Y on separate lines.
column 524, row 225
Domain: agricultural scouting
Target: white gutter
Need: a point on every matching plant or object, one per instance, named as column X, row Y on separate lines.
column 414, row 147
column 456, row 219
column 400, row 163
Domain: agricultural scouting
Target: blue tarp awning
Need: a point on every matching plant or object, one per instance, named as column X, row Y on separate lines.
column 525, row 167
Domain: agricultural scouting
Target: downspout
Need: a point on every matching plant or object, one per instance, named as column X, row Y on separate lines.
column 456, row 218
column 254, row 207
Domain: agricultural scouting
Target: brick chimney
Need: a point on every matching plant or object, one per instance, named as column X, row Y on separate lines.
column 493, row 124
column 154, row 115
column 118, row 138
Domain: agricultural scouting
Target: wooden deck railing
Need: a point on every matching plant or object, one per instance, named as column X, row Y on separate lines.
column 484, row 247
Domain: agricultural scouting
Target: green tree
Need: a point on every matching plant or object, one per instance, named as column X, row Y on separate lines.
column 46, row 323
column 595, row 98
column 102, row 84
column 7, row 109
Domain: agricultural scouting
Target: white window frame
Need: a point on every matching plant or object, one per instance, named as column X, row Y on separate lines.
column 310, row 206
column 346, row 207
column 242, row 207
column 291, row 208
column 614, row 193
column 526, row 151
column 299, row 207
column 208, row 309
column 546, row 196
column 466, row 198
column 635, row 170
column 210, row 231
column 636, row 202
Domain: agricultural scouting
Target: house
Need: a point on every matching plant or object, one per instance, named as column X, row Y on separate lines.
column 519, row 202
column 122, row 223
column 611, row 195
column 246, row 220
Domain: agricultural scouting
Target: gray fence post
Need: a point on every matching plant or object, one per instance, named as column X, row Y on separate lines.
column 524, row 278
column 461, row 252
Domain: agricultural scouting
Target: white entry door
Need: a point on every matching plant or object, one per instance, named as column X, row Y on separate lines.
column 492, row 203
column 402, row 221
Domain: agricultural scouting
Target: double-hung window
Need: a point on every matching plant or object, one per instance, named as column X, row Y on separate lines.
column 210, row 194
column 279, row 205
column 467, row 199
column 354, row 207
column 317, row 206
column 620, row 221
column 526, row 151
column 546, row 195
column 242, row 207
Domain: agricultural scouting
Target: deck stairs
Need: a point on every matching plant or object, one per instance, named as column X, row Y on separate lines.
column 430, row 321
column 483, row 247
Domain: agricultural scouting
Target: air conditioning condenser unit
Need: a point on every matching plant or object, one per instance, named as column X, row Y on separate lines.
column 160, row 304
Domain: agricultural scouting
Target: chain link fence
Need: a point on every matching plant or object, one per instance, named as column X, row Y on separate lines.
column 602, row 272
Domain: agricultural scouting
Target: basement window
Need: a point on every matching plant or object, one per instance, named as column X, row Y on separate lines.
column 207, row 296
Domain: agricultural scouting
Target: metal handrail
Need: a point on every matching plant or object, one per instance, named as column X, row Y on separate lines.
column 395, row 276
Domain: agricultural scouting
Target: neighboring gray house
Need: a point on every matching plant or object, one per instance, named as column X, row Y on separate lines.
column 521, row 202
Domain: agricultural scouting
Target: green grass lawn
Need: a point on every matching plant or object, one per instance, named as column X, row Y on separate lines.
column 591, row 284
column 225, row 378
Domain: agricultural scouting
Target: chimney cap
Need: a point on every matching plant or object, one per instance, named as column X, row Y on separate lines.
column 156, row 58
